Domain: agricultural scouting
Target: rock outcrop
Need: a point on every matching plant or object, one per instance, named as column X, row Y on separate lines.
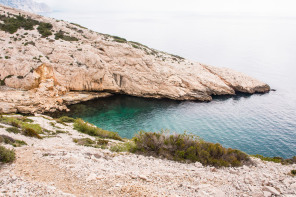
column 78, row 59
column 27, row 5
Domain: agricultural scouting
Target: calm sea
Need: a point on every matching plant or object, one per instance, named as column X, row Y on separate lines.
column 263, row 47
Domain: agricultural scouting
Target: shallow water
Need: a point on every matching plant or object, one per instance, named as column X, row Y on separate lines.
column 263, row 47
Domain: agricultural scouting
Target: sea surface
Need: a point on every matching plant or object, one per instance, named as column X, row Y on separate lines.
column 260, row 46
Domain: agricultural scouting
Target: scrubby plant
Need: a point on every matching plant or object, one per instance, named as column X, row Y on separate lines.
column 84, row 141
column 9, row 140
column 6, row 155
column 28, row 129
column 12, row 24
column 31, row 43
column 13, row 130
column 119, row 39
column 61, row 35
column 30, row 132
column 65, row 119
column 44, row 29
column 184, row 147
column 19, row 143
column 36, row 127
column 293, row 172
column 129, row 146
column 87, row 128
column 6, row 139
column 277, row 159
column 102, row 142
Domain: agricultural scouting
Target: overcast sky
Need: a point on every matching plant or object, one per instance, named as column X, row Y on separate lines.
column 256, row 7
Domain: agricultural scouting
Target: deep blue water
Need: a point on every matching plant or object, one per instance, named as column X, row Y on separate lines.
column 263, row 47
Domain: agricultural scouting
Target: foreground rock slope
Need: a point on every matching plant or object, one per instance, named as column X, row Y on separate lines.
column 57, row 166
column 57, row 56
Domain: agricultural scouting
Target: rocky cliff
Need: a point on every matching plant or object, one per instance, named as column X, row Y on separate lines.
column 51, row 58
column 27, row 5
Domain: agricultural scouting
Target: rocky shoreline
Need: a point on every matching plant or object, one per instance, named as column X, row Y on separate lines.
column 46, row 59
column 57, row 166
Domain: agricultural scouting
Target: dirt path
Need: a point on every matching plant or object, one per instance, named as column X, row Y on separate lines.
column 36, row 169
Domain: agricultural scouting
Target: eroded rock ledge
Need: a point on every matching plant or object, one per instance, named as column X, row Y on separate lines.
column 45, row 68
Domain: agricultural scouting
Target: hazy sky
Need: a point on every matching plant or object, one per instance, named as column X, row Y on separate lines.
column 255, row 7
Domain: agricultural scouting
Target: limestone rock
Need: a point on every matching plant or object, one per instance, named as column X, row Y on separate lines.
column 100, row 63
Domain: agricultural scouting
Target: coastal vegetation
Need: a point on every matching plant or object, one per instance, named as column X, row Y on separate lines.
column 87, row 128
column 24, row 124
column 178, row 147
column 9, row 140
column 6, row 155
column 277, row 159
column 185, row 147
column 61, row 35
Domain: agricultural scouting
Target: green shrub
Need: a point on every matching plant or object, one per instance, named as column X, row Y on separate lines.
column 66, row 119
column 44, row 29
column 12, row 24
column 30, row 132
column 19, row 143
column 184, row 147
column 9, row 140
column 293, row 172
column 84, row 141
column 16, row 122
column 28, row 129
column 13, row 130
column 36, row 127
column 6, row 155
column 6, row 139
column 102, row 142
column 61, row 35
column 277, row 159
column 87, row 128
column 119, row 39
column 123, row 147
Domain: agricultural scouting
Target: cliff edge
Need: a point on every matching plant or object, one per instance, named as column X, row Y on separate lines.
column 51, row 58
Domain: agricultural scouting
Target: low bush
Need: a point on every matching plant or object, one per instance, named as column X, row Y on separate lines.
column 119, row 39
column 84, row 141
column 123, row 147
column 184, row 147
column 61, row 35
column 277, row 159
column 30, row 132
column 45, row 29
column 87, row 128
column 13, row 130
column 12, row 24
column 65, row 119
column 19, row 143
column 6, row 155
column 6, row 139
column 102, row 142
column 9, row 140
column 27, row 128
column 36, row 127
column 293, row 172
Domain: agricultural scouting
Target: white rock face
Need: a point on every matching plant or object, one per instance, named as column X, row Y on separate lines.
column 27, row 5
column 98, row 62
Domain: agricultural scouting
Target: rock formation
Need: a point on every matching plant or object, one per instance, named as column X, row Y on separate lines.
column 74, row 58
column 27, row 5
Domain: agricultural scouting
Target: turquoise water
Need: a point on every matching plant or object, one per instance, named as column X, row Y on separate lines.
column 263, row 47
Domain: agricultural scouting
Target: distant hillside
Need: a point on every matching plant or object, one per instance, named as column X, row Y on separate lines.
column 27, row 5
